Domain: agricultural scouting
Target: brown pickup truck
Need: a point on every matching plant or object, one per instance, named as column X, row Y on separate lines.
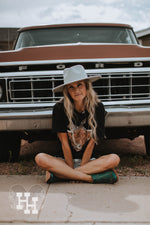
column 35, row 66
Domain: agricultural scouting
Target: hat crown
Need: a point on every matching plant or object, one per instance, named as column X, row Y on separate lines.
column 74, row 74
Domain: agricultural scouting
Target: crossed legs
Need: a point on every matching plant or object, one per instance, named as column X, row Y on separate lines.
column 81, row 173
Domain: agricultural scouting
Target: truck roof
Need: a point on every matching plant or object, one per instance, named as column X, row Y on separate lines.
column 74, row 25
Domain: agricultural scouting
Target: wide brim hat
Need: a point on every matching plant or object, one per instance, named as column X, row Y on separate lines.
column 74, row 74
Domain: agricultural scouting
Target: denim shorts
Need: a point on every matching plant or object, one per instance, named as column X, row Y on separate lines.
column 76, row 162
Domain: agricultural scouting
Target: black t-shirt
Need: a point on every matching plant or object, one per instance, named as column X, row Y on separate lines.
column 80, row 133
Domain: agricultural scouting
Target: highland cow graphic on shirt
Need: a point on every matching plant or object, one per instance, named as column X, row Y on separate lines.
column 79, row 136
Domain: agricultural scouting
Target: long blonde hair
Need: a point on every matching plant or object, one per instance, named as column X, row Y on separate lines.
column 91, row 100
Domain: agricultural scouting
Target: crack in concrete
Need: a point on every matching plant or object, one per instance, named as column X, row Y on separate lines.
column 42, row 204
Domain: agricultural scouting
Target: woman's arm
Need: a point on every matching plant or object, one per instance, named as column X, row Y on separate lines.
column 88, row 152
column 63, row 137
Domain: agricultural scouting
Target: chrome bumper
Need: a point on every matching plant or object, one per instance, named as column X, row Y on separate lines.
column 31, row 120
column 41, row 119
column 128, row 117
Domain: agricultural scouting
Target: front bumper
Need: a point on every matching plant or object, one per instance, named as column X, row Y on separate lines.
column 40, row 118
column 128, row 117
column 29, row 120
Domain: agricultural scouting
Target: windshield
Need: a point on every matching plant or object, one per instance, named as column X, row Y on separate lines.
column 66, row 35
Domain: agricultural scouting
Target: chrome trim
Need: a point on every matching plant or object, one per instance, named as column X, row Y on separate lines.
column 128, row 109
column 72, row 44
column 119, row 70
column 26, row 114
column 128, row 103
column 88, row 71
column 130, row 59
column 31, row 74
column 26, row 105
column 50, row 105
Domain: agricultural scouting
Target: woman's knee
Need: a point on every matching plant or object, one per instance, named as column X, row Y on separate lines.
column 114, row 160
column 40, row 158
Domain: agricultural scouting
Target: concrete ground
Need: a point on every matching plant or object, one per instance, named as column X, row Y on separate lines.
column 126, row 202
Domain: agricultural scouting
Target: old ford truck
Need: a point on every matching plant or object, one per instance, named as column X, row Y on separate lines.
column 35, row 66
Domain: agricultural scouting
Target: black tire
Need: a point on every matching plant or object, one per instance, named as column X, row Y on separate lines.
column 9, row 146
column 147, row 142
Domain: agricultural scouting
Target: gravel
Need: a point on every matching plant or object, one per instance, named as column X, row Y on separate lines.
column 134, row 161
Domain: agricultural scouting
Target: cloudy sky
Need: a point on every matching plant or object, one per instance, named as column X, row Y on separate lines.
column 20, row 13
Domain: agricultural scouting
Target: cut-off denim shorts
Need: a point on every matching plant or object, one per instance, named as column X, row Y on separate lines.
column 76, row 162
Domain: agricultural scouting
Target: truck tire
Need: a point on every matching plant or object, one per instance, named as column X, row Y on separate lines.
column 9, row 146
column 147, row 142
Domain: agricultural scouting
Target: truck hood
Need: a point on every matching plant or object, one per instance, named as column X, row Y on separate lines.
column 77, row 51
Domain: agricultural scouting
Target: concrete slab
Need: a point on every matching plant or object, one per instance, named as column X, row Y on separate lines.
column 59, row 224
column 78, row 223
column 55, row 207
column 126, row 202
column 9, row 186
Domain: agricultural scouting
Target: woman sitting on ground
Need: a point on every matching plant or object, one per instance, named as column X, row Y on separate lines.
column 78, row 119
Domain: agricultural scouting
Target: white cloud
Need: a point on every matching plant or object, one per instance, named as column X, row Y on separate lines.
column 18, row 13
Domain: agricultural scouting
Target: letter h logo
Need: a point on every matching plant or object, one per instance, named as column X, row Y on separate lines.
column 23, row 203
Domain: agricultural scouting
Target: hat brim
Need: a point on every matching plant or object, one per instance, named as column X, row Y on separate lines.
column 61, row 87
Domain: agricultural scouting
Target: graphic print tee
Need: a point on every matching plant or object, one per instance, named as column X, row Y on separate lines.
column 80, row 133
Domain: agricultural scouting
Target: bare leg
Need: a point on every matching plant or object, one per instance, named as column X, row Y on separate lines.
column 100, row 164
column 82, row 173
column 60, row 168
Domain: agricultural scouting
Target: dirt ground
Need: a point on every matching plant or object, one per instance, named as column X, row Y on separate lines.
column 134, row 161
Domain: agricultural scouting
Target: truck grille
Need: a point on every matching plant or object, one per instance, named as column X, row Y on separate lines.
column 35, row 89
column 123, row 87
column 111, row 87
